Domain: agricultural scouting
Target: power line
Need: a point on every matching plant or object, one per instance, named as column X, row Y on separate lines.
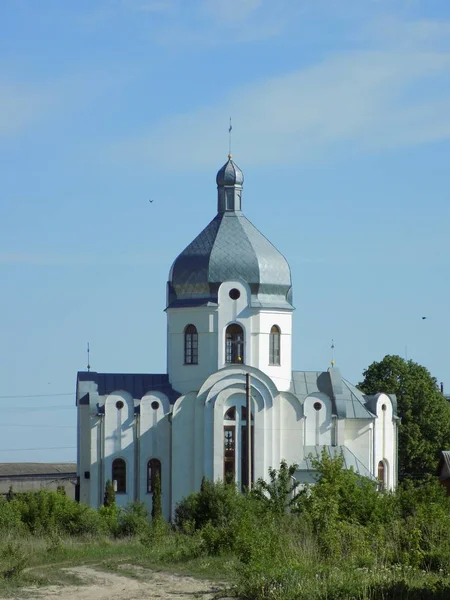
column 33, row 449
column 33, row 408
column 37, row 395
column 37, row 426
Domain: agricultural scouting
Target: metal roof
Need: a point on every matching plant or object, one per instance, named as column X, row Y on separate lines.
column 230, row 174
column 350, row 460
column 230, row 248
column 37, row 469
column 347, row 401
column 136, row 384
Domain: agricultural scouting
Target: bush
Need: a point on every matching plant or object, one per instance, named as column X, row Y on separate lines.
column 216, row 503
column 132, row 520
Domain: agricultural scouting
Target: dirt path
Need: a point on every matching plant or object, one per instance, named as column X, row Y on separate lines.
column 145, row 584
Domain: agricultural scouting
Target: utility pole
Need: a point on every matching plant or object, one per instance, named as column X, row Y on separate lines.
column 248, row 401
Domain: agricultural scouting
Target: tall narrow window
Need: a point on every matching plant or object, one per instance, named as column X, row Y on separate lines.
column 229, row 453
column 153, row 468
column 119, row 475
column 274, row 346
column 381, row 475
column 234, row 345
column 190, row 345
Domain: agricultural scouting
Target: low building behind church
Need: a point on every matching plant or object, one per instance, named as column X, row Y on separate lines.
column 229, row 323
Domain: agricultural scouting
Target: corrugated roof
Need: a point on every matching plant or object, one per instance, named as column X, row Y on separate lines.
column 17, row 469
column 136, row 384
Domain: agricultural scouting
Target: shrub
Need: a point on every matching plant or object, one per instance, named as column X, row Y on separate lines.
column 132, row 520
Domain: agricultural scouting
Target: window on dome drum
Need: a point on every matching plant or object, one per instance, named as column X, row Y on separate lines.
column 190, row 345
column 381, row 475
column 234, row 345
column 119, row 476
column 153, row 468
column 274, row 346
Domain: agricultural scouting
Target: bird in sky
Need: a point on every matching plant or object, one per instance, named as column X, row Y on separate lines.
column 424, row 318
column 150, row 201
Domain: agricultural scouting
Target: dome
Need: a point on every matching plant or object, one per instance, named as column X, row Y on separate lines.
column 230, row 248
column 230, row 174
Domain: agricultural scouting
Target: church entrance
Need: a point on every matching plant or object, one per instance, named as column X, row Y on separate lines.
column 235, row 461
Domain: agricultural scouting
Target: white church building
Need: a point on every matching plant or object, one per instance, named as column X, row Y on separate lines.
column 229, row 346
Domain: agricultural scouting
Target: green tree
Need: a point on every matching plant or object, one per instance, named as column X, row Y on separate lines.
column 110, row 495
column 280, row 492
column 157, row 504
column 424, row 412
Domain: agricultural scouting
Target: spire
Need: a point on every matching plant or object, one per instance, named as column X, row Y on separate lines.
column 229, row 187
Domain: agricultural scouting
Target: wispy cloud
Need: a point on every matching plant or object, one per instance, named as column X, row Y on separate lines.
column 365, row 100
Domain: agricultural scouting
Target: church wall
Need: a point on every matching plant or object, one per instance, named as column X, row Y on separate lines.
column 186, row 378
column 234, row 311
column 261, row 326
column 317, row 423
column 385, row 431
column 358, row 439
column 154, row 442
column 183, row 425
column 118, row 441
column 292, row 428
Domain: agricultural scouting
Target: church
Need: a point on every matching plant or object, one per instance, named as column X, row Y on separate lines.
column 230, row 405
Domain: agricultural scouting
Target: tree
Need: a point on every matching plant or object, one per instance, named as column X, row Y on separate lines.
column 425, row 413
column 280, row 493
column 110, row 495
column 157, row 504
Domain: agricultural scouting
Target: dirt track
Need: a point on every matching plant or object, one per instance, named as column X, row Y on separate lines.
column 146, row 584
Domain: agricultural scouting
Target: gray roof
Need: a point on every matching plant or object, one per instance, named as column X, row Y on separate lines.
column 230, row 174
column 347, row 401
column 30, row 469
column 230, row 248
column 350, row 460
column 136, row 384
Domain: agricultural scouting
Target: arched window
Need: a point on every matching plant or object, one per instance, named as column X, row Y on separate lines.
column 190, row 345
column 274, row 346
column 381, row 475
column 153, row 469
column 119, row 475
column 234, row 345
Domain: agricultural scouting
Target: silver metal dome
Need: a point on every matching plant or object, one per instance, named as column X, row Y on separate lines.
column 230, row 174
column 230, row 248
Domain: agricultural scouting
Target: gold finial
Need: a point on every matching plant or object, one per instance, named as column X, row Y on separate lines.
column 230, row 156
column 229, row 139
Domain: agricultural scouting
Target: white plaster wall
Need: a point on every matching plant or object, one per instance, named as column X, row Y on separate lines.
column 318, row 423
column 187, row 378
column 261, row 325
column 183, row 449
column 385, row 431
column 256, row 323
column 118, row 441
column 154, row 442
column 358, row 438
column 292, row 428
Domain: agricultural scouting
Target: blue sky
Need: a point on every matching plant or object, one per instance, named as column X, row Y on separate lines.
column 341, row 124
